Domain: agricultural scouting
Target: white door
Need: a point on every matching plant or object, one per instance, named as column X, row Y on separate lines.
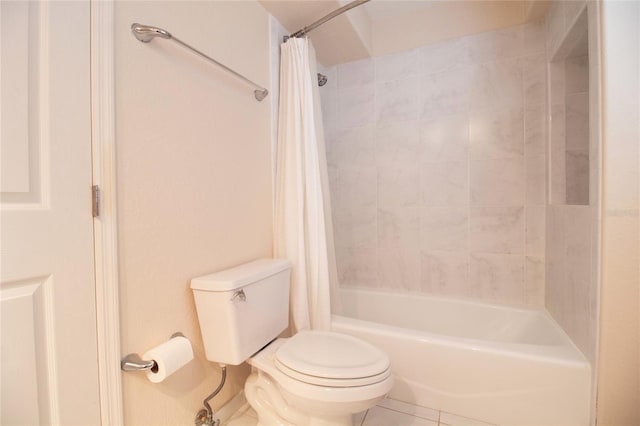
column 47, row 291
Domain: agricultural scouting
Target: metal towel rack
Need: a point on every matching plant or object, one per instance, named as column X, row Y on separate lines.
column 146, row 33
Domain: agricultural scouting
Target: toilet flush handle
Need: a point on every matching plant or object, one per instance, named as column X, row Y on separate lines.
column 239, row 295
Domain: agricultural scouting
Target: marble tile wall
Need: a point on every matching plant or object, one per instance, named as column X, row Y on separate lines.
column 576, row 71
column 572, row 243
column 437, row 167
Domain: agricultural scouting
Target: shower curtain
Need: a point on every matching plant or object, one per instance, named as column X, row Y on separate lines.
column 303, row 231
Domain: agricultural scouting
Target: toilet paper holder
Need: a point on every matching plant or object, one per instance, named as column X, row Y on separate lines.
column 133, row 361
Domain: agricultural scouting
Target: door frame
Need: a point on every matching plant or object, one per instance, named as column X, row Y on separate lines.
column 105, row 225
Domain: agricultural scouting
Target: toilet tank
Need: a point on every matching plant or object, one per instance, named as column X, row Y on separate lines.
column 242, row 309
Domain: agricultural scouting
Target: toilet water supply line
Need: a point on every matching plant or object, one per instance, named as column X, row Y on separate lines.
column 205, row 416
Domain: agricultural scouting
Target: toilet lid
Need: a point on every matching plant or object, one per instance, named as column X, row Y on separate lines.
column 332, row 359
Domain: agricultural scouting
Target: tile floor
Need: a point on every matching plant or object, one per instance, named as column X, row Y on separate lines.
column 387, row 413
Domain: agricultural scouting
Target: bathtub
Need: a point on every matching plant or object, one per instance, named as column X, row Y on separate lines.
column 499, row 364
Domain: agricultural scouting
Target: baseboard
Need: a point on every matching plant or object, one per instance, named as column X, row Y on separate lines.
column 235, row 404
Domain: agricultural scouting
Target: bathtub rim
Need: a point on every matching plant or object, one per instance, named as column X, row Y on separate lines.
column 567, row 355
column 566, row 352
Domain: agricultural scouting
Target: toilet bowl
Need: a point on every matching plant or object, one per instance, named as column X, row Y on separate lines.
column 315, row 378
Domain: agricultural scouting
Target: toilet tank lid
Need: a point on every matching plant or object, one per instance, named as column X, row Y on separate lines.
column 240, row 276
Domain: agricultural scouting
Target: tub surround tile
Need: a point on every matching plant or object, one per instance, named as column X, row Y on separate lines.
column 445, row 56
column 497, row 182
column 535, row 130
column 399, row 268
column 535, row 230
column 496, row 229
column 508, row 42
column 444, row 139
column 557, row 177
column 482, row 47
column 577, row 74
column 535, row 77
column 357, row 266
column 568, row 272
column 444, row 228
column 577, row 240
column 447, row 143
column 446, row 93
column 497, row 84
column 397, row 100
column 534, row 274
column 495, row 45
column 352, row 148
column 397, row 144
column 577, row 176
column 446, row 274
column 499, row 276
column 496, row 133
column 444, row 184
column 329, row 105
column 556, row 83
column 356, row 106
column 398, row 187
column 535, row 176
column 356, row 187
column 398, row 227
column 577, row 121
column 356, row 73
column 555, row 237
column 355, row 227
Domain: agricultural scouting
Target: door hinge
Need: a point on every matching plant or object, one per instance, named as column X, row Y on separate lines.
column 95, row 200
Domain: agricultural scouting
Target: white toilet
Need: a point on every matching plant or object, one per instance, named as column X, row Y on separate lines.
column 312, row 378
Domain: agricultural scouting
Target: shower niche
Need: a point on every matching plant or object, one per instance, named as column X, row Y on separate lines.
column 569, row 118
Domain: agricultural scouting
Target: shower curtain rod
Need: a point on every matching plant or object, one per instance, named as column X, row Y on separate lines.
column 146, row 33
column 330, row 16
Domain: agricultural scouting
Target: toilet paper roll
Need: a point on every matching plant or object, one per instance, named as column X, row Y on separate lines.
column 169, row 357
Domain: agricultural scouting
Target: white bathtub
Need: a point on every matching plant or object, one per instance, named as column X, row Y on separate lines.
column 498, row 364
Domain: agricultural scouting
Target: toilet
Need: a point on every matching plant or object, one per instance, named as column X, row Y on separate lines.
column 313, row 378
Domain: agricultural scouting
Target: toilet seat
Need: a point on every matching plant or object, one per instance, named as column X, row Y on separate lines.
column 331, row 359
column 264, row 362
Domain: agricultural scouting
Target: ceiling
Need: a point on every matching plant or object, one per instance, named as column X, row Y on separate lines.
column 381, row 27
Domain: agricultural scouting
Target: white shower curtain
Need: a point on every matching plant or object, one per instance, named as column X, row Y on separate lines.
column 303, row 231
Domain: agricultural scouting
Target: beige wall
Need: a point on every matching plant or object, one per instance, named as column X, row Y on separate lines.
column 619, row 355
column 194, row 183
column 437, row 165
